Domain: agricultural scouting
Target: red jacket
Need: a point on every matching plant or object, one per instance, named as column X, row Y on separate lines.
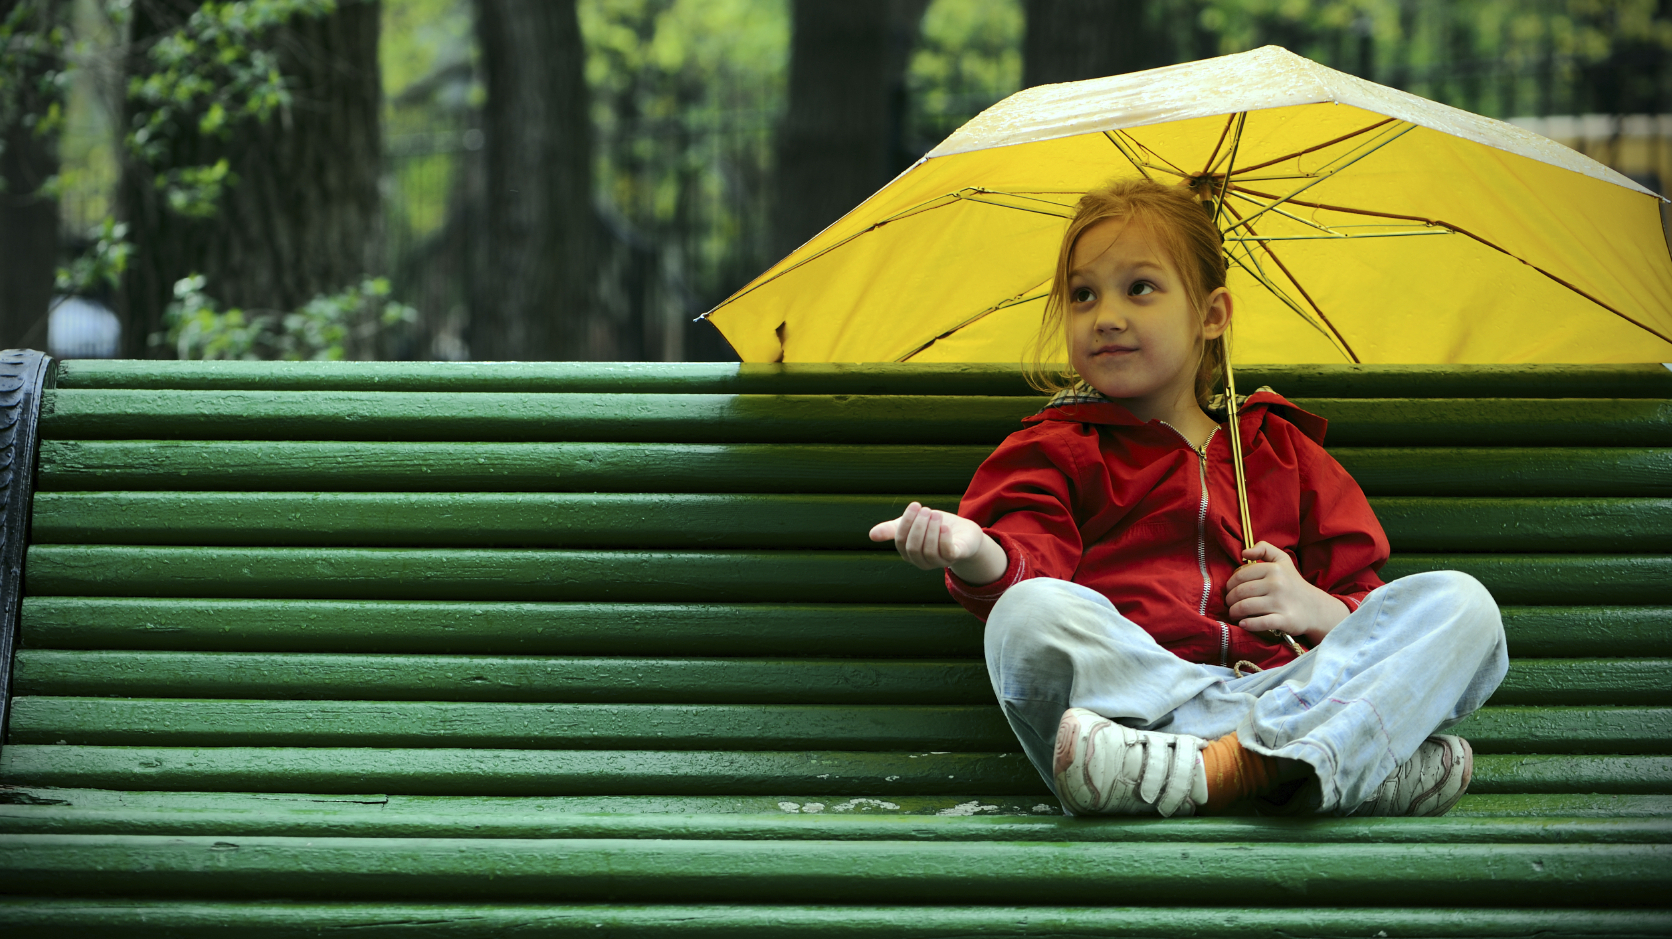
column 1088, row 493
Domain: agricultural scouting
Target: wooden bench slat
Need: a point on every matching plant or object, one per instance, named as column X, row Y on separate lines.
column 630, row 520
column 446, row 771
column 636, row 679
column 187, row 722
column 923, row 419
column 86, row 811
column 412, row 466
column 52, row 918
column 641, row 679
column 1478, row 819
column 1321, row 380
column 829, row 871
column 933, row 629
column 175, row 722
column 939, row 630
column 686, row 520
column 822, row 774
column 664, row 576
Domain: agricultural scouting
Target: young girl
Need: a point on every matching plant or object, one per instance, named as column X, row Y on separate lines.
column 1144, row 657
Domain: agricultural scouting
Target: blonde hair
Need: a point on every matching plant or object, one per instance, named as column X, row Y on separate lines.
column 1183, row 223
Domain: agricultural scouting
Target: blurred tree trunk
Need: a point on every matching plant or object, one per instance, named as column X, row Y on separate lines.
column 302, row 217
column 1071, row 40
column 28, row 218
column 532, row 292
column 837, row 144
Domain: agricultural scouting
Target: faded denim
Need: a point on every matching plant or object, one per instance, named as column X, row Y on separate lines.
column 1419, row 655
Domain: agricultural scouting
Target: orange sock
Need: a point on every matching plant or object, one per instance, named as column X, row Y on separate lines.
column 1235, row 773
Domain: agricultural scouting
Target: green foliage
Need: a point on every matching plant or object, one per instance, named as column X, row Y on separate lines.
column 426, row 54
column 103, row 263
column 33, row 83
column 968, row 56
column 686, row 94
column 1495, row 57
column 333, row 326
column 195, row 191
column 207, row 76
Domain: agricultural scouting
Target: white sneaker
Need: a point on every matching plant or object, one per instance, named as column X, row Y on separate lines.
column 1427, row 784
column 1105, row 768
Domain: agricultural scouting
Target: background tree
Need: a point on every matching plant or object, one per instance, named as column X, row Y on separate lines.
column 834, row 144
column 31, row 68
column 532, row 296
column 266, row 182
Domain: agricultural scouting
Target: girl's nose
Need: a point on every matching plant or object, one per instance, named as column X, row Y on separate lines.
column 1110, row 318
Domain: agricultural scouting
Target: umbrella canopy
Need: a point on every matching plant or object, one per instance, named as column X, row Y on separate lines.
column 1363, row 224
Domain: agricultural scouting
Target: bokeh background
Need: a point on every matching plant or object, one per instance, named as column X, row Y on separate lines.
column 580, row 179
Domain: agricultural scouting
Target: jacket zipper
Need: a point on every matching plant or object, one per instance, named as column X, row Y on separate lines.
column 1202, row 538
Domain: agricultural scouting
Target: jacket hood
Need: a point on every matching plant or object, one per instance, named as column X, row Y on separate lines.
column 1084, row 404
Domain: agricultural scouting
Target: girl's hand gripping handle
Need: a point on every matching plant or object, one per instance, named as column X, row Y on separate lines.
column 929, row 539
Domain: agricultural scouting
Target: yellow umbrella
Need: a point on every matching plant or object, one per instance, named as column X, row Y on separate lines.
column 1471, row 240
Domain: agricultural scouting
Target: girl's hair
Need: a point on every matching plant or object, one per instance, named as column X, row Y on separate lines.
column 1183, row 222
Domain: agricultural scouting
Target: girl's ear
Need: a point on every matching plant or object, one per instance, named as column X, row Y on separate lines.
column 1217, row 317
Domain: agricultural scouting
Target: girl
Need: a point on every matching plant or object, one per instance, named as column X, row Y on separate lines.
column 1144, row 669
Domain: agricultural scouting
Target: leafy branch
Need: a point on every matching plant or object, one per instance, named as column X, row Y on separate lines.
column 32, row 85
column 330, row 326
column 209, row 75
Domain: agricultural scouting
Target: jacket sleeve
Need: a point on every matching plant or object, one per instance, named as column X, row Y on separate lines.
column 1342, row 545
column 1023, row 496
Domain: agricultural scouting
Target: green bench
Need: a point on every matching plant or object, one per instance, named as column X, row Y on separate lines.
column 603, row 650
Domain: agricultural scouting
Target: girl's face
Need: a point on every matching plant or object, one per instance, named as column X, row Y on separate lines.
column 1132, row 331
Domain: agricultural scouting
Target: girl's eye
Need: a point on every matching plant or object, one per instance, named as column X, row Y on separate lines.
column 1142, row 288
column 1082, row 295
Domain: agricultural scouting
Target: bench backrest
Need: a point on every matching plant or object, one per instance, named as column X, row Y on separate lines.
column 638, row 580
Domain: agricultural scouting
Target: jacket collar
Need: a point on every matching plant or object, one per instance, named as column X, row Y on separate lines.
column 1086, row 405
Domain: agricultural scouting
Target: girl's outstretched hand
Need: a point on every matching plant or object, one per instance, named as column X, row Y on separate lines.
column 928, row 539
column 1271, row 595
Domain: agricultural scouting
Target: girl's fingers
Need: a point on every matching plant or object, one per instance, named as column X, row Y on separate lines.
column 1252, row 606
column 1258, row 587
column 1271, row 622
column 912, row 546
column 932, row 535
column 1250, row 573
column 884, row 531
column 902, row 528
column 1264, row 551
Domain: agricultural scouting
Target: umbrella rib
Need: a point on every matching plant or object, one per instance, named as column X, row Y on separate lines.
column 1137, row 164
column 1241, row 192
column 1230, row 166
column 1298, row 286
column 1327, row 143
column 1004, row 305
column 1259, row 276
column 1208, row 166
column 1340, row 237
column 1172, row 168
column 1363, row 149
column 1501, row 250
column 1280, row 200
column 1062, row 211
column 938, row 202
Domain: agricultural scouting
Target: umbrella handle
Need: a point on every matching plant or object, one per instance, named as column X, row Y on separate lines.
column 1233, row 421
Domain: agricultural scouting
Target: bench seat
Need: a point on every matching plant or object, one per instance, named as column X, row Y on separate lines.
column 602, row 649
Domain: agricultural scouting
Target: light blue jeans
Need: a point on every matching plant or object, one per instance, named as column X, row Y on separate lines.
column 1419, row 655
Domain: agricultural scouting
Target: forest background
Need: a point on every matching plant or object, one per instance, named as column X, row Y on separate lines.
column 579, row 179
